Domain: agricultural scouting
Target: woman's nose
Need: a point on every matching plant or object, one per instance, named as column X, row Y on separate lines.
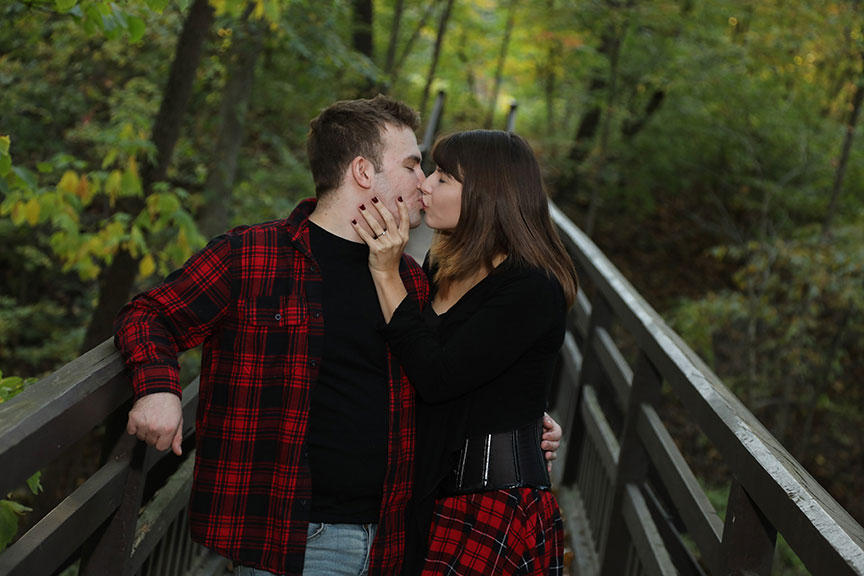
column 426, row 186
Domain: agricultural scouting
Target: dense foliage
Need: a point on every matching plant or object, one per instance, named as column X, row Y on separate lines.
column 710, row 147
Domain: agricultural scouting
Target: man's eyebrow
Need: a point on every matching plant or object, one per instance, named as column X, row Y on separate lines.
column 413, row 159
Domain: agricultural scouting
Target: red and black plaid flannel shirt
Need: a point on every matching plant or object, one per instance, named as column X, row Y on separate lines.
column 254, row 298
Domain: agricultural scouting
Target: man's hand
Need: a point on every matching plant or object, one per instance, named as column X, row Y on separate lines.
column 157, row 419
column 551, row 440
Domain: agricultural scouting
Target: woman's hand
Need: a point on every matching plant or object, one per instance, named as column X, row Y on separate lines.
column 385, row 252
column 389, row 240
column 551, row 440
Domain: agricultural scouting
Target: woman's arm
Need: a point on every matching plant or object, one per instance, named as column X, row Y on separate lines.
column 385, row 252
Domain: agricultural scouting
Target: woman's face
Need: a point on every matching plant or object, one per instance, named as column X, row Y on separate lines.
column 441, row 195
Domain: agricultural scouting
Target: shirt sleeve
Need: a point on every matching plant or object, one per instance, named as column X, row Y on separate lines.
column 178, row 314
column 507, row 324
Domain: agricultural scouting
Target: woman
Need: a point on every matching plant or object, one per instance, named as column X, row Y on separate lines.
column 481, row 356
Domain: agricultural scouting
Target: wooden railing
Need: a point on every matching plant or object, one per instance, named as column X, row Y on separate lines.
column 632, row 503
column 102, row 522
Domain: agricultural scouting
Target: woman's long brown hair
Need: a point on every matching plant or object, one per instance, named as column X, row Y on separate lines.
column 504, row 210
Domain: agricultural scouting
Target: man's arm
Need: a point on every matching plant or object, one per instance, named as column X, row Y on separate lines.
column 156, row 326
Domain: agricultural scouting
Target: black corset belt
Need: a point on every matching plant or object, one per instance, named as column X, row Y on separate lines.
column 502, row 460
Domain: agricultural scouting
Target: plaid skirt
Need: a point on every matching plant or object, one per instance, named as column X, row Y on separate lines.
column 513, row 531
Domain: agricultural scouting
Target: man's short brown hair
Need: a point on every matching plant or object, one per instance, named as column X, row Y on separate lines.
column 352, row 128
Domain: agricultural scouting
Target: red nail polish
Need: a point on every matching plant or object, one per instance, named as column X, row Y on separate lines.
column 362, row 206
column 375, row 199
column 353, row 222
column 400, row 199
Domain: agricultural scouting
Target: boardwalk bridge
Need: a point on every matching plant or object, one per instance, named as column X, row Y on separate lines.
column 632, row 503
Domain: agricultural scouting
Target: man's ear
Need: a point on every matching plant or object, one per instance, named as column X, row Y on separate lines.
column 361, row 171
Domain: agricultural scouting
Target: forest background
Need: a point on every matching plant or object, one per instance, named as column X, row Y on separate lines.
column 707, row 146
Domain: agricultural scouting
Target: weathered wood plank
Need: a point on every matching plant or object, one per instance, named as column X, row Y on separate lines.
column 63, row 530
column 646, row 538
column 617, row 369
column 54, row 413
column 702, row 522
column 161, row 511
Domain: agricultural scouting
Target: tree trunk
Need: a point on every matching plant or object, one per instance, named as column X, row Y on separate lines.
column 840, row 174
column 394, row 73
column 502, row 58
column 361, row 29
column 439, row 40
column 614, row 52
column 214, row 217
column 550, row 80
column 398, row 9
column 116, row 280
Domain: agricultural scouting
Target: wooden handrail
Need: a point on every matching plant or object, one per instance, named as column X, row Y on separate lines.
column 823, row 535
column 101, row 515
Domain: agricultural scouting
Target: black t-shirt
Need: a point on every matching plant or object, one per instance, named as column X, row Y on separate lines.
column 349, row 417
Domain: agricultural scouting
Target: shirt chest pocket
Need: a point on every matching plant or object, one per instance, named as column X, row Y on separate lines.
column 273, row 311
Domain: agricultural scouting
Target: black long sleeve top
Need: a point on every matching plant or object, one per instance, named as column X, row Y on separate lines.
column 485, row 365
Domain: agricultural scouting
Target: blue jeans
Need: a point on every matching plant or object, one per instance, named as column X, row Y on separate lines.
column 331, row 549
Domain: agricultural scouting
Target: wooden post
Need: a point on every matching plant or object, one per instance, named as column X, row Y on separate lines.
column 110, row 549
column 431, row 130
column 511, row 116
column 632, row 466
column 748, row 537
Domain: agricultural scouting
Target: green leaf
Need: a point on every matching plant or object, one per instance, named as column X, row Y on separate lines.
column 9, row 512
column 93, row 21
column 44, row 167
column 159, row 5
column 11, row 381
column 136, row 28
column 5, row 165
column 35, row 482
column 5, row 142
column 8, row 525
column 15, row 507
column 130, row 185
column 26, row 176
column 65, row 5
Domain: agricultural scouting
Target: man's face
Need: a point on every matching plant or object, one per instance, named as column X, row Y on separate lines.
column 400, row 174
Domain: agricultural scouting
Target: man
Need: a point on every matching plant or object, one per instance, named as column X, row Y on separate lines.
column 304, row 437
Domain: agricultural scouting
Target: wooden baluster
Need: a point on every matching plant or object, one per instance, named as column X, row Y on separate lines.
column 748, row 538
column 590, row 372
column 109, row 550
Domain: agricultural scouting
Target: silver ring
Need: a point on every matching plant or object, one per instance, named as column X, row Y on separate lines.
column 382, row 233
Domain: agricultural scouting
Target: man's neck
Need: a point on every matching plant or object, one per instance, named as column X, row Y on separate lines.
column 334, row 221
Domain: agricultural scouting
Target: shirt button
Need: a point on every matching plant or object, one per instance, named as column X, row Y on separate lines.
column 313, row 363
column 316, row 314
column 278, row 316
column 313, row 269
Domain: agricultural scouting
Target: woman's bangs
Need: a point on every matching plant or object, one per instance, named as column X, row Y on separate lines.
column 445, row 155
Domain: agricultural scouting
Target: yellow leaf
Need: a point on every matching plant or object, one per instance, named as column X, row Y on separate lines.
column 147, row 266
column 83, row 189
column 69, row 182
column 112, row 185
column 31, row 211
